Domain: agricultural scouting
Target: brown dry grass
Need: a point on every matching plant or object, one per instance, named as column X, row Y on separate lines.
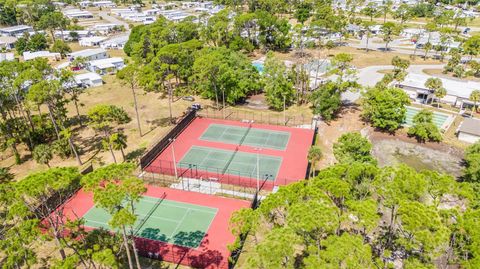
column 439, row 73
column 361, row 58
column 153, row 110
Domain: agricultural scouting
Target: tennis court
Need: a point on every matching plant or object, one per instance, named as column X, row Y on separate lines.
column 231, row 162
column 173, row 222
column 239, row 135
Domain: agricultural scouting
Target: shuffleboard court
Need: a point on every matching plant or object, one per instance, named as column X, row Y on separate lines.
column 441, row 120
column 173, row 222
column 239, row 135
column 231, row 162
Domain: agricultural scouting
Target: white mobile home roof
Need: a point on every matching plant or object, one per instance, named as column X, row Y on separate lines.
column 27, row 55
column 87, row 52
column 115, row 41
column 7, row 40
column 9, row 56
column 94, row 39
column 90, row 75
column 454, row 87
column 16, row 28
column 108, row 62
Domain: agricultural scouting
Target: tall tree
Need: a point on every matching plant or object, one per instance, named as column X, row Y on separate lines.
column 131, row 77
column 386, row 8
column 314, row 155
column 117, row 191
column 224, row 75
column 279, row 91
column 404, row 13
column 367, row 26
column 389, row 31
column 53, row 21
column 105, row 119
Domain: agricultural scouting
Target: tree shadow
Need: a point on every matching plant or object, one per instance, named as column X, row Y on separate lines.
column 136, row 154
column 163, row 122
column 153, row 234
column 207, row 259
column 188, row 239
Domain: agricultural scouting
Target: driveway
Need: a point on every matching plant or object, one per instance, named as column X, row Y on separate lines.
column 111, row 19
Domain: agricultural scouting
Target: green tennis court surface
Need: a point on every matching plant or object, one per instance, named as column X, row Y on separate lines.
column 231, row 162
column 169, row 221
column 246, row 136
column 439, row 119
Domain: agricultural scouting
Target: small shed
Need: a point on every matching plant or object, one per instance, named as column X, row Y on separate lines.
column 469, row 131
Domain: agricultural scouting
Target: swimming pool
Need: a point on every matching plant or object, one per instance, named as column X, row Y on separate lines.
column 258, row 66
column 441, row 120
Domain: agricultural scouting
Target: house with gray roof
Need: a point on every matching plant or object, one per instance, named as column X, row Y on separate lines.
column 469, row 130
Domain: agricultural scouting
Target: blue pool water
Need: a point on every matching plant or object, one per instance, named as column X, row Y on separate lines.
column 258, row 66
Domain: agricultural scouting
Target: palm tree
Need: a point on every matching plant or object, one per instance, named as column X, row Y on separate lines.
column 119, row 142
column 314, row 155
column 475, row 97
column 440, row 93
column 433, row 84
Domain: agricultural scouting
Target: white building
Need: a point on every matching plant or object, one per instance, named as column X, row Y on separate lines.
column 89, row 54
column 175, row 15
column 117, row 42
column 88, row 80
column 469, row 131
column 120, row 11
column 458, row 92
column 165, row 6
column 152, row 12
column 103, row 4
column 7, row 42
column 27, row 55
column 106, row 66
column 104, row 28
column 68, row 35
column 187, row 5
column 435, row 39
column 9, row 56
column 92, row 41
column 77, row 14
column 16, row 30
column 412, row 32
column 85, row 4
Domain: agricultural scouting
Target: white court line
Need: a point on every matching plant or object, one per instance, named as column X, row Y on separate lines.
column 178, row 225
column 195, row 209
column 224, row 129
